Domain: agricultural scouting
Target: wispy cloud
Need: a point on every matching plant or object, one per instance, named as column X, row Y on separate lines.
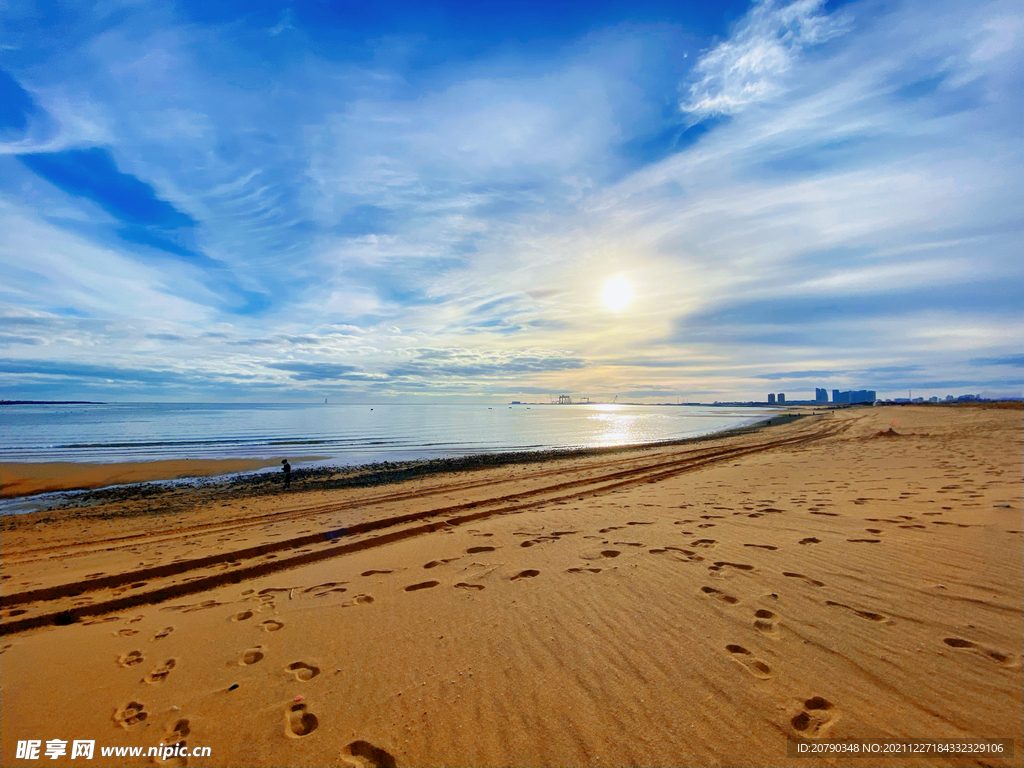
column 751, row 64
column 1013, row 361
column 324, row 372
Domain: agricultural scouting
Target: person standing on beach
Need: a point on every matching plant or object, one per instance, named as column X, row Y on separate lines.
column 287, row 469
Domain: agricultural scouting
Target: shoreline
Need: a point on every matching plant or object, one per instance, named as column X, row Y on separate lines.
column 24, row 480
column 87, row 482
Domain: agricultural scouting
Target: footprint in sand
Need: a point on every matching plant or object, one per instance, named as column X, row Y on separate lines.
column 475, row 550
column 583, row 570
column 867, row 541
column 746, row 659
column 374, row 573
column 764, row 622
column 719, row 595
column 363, row 754
column 120, row 633
column 270, row 592
column 270, row 625
column 863, row 614
column 527, row 574
column 762, row 546
column 160, row 674
column 302, row 671
column 812, row 582
column 163, row 633
column 989, row 653
column 358, row 600
column 251, row 656
column 435, row 563
column 473, row 587
column 131, row 714
column 131, row 659
column 810, row 540
column 175, row 737
column 600, row 554
column 422, row 585
column 178, row 733
column 739, row 566
column 299, row 722
column 703, row 543
column 815, row 718
column 242, row 616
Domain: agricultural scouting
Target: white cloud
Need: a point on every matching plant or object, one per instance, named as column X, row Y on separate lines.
column 49, row 269
column 749, row 67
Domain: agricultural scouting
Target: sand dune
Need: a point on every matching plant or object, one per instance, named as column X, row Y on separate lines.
column 694, row 605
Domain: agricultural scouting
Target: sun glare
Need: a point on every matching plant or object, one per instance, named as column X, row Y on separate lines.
column 617, row 294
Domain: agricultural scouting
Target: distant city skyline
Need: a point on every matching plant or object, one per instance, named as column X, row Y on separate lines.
column 644, row 200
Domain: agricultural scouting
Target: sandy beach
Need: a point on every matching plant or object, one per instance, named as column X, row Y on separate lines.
column 854, row 574
column 23, row 479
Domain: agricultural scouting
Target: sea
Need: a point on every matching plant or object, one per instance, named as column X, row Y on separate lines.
column 340, row 434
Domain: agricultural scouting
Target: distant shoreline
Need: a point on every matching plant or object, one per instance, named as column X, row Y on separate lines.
column 50, row 402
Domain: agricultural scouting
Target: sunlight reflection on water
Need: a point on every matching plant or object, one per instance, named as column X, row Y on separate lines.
column 619, row 426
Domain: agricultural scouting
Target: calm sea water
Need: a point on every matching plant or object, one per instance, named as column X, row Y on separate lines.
column 343, row 434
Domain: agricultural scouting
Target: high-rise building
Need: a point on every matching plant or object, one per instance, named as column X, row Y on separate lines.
column 862, row 396
column 782, row 397
column 854, row 396
column 820, row 395
column 771, row 399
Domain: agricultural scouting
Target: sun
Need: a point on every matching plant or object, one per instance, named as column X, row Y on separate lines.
column 617, row 294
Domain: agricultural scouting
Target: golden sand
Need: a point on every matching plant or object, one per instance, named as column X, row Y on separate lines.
column 23, row 479
column 693, row 605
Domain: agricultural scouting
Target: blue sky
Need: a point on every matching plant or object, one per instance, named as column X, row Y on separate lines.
column 365, row 201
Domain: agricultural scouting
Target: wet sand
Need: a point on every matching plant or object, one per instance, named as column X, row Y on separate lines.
column 24, row 479
column 686, row 605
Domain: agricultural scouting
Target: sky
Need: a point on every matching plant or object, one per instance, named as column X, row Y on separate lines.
column 251, row 201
